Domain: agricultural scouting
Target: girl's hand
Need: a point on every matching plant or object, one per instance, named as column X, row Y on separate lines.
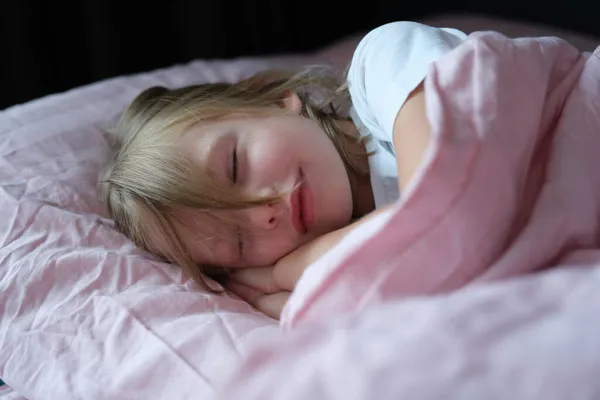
column 268, row 288
column 257, row 287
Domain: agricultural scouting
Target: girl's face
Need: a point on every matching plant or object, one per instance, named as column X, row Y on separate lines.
column 266, row 156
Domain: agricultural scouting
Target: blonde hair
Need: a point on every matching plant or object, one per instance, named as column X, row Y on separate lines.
column 147, row 178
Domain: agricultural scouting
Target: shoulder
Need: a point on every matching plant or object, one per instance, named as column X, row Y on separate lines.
column 412, row 35
column 402, row 41
column 388, row 63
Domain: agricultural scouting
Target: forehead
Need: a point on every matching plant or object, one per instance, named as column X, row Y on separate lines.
column 203, row 142
column 234, row 122
column 199, row 139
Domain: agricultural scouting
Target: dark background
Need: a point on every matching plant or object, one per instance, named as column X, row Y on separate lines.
column 52, row 46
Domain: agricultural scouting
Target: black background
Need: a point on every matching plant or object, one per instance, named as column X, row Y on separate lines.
column 52, row 46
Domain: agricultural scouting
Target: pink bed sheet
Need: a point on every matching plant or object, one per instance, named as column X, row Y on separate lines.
column 484, row 281
column 85, row 315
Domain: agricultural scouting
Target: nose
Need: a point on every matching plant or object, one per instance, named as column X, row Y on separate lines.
column 267, row 216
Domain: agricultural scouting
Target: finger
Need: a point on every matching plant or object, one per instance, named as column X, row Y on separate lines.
column 272, row 304
column 246, row 293
column 259, row 278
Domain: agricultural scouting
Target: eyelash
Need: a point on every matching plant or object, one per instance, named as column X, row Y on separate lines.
column 234, row 172
column 240, row 241
column 234, row 166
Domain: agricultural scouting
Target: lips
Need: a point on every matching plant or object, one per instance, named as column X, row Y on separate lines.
column 302, row 205
column 297, row 211
column 307, row 207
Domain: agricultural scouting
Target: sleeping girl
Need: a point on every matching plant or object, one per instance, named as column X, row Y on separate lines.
column 254, row 180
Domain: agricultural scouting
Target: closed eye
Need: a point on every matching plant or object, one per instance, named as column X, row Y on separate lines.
column 234, row 166
column 240, row 241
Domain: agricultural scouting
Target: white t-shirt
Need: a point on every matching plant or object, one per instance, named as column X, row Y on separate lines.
column 388, row 64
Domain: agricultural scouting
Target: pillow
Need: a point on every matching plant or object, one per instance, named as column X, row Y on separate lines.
column 83, row 312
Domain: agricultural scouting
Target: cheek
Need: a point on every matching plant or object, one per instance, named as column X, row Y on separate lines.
column 272, row 159
column 269, row 250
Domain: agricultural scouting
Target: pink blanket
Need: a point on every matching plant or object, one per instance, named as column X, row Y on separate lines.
column 484, row 282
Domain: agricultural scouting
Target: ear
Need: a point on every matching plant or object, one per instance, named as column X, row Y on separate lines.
column 291, row 102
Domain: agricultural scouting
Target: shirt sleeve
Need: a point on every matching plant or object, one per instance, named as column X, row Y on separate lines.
column 388, row 64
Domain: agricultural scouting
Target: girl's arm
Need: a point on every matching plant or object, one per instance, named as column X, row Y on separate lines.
column 410, row 136
column 289, row 268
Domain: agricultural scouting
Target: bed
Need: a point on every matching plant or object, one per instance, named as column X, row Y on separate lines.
column 86, row 315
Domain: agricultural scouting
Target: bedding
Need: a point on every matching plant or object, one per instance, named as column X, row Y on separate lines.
column 84, row 314
column 483, row 281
